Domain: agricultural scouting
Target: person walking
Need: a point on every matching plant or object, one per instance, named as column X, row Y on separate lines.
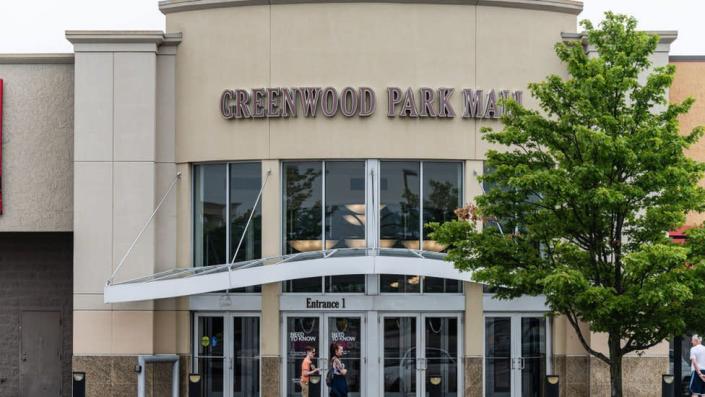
column 697, row 367
column 339, row 383
column 308, row 369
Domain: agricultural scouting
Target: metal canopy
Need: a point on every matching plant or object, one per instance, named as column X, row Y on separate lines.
column 199, row 280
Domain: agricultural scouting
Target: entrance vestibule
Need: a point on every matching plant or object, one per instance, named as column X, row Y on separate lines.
column 399, row 354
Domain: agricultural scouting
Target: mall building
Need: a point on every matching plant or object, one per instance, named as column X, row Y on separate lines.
column 217, row 198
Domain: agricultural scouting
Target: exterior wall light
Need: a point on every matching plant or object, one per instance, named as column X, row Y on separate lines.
column 79, row 384
column 194, row 385
column 552, row 386
column 667, row 385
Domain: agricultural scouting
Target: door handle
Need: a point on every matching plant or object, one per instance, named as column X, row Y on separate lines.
column 24, row 356
column 517, row 363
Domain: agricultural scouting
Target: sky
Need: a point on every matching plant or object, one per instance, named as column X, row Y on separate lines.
column 38, row 26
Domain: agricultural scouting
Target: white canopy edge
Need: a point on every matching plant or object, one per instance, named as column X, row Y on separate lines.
column 332, row 266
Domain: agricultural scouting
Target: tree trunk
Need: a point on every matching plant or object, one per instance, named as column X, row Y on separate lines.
column 615, row 366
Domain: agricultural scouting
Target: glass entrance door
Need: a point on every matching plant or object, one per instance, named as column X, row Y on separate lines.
column 515, row 355
column 320, row 332
column 227, row 355
column 420, row 355
column 400, row 356
column 303, row 333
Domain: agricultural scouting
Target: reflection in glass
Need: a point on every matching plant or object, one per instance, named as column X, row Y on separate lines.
column 303, row 198
column 246, row 362
column 441, row 356
column 347, row 332
column 210, row 355
column 399, row 203
column 533, row 353
column 301, row 332
column 442, row 183
column 498, row 347
column 345, row 203
column 435, row 285
column 311, row 284
column 679, row 362
column 349, row 283
column 400, row 283
column 209, row 215
column 399, row 356
column 245, row 184
column 345, row 217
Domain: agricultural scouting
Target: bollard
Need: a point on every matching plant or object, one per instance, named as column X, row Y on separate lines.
column 79, row 384
column 667, row 385
column 552, row 386
column 194, row 385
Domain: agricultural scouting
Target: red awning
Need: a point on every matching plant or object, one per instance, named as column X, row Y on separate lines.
column 678, row 236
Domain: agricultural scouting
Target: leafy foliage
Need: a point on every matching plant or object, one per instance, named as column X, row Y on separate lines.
column 588, row 186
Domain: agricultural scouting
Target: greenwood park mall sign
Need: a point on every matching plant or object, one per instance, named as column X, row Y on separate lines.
column 260, row 103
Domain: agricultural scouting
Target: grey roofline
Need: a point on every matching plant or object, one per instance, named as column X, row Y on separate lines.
column 122, row 36
column 48, row 58
column 686, row 58
column 665, row 36
column 565, row 6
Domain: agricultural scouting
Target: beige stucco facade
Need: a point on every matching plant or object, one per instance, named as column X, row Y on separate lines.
column 37, row 141
column 135, row 111
column 351, row 44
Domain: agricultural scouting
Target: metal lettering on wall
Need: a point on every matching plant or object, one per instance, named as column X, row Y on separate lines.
column 408, row 103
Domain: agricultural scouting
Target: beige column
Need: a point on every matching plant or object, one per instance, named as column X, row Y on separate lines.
column 123, row 164
column 271, row 246
column 474, row 339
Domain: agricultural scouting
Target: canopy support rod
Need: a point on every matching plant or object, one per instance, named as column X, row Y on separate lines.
column 252, row 213
column 129, row 250
column 247, row 225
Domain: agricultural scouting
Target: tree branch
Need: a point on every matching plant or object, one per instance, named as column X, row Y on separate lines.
column 573, row 320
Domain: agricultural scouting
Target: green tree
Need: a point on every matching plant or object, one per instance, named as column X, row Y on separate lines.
column 586, row 190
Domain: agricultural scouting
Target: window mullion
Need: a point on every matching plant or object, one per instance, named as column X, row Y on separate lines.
column 323, row 218
column 227, row 212
column 421, row 220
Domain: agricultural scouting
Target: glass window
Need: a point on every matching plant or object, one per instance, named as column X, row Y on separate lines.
column 303, row 184
column 399, row 204
column 345, row 204
column 400, row 283
column 442, row 183
column 245, row 184
column 352, row 283
column 311, row 284
column 215, row 239
column 439, row 183
column 340, row 186
column 442, row 285
column 209, row 223
column 345, row 217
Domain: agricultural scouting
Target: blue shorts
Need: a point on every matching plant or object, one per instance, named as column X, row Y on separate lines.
column 697, row 386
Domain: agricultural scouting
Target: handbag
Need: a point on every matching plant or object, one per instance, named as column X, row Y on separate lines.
column 329, row 375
